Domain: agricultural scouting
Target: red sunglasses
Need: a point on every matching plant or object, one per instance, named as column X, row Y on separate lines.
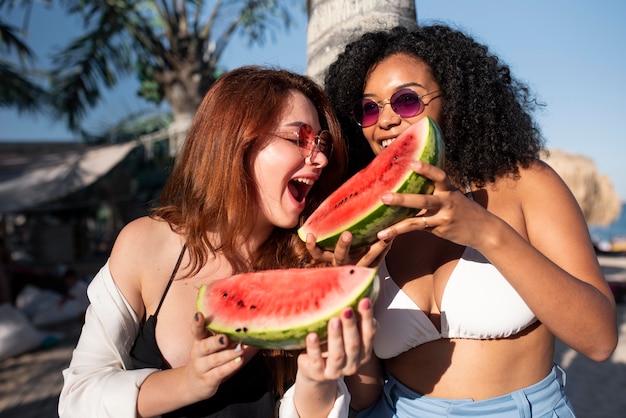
column 306, row 140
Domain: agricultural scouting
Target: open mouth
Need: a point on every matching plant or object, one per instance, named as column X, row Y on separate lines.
column 300, row 187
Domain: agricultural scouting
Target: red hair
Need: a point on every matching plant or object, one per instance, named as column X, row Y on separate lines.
column 211, row 188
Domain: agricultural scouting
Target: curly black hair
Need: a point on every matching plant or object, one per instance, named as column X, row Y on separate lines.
column 487, row 124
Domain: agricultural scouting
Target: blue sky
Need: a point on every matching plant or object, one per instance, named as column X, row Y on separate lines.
column 571, row 53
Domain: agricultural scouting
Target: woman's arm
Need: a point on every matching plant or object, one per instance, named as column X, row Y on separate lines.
column 98, row 381
column 555, row 269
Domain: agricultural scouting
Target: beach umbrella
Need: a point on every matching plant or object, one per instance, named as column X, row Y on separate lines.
column 594, row 191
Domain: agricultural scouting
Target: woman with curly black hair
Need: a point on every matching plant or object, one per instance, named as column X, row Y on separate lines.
column 497, row 264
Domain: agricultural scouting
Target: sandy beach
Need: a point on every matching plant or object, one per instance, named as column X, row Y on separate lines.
column 30, row 383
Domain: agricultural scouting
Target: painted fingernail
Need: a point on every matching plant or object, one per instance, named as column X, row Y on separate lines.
column 335, row 323
column 348, row 314
column 238, row 359
column 221, row 340
column 367, row 304
column 196, row 317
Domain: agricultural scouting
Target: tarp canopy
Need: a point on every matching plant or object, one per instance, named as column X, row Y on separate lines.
column 31, row 177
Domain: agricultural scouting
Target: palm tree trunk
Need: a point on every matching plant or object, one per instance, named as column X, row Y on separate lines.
column 184, row 91
column 333, row 23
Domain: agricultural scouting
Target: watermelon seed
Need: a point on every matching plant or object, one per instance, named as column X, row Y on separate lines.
column 240, row 304
column 244, row 329
column 252, row 307
column 345, row 199
column 225, row 295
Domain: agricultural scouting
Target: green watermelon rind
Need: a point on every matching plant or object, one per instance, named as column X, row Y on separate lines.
column 382, row 216
column 291, row 338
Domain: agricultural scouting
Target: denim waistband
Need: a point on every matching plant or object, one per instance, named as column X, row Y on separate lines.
column 536, row 400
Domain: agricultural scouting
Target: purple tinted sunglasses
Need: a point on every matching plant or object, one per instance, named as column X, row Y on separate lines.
column 405, row 102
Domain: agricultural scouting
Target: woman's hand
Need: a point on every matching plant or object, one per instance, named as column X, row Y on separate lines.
column 370, row 256
column 349, row 345
column 446, row 213
column 213, row 359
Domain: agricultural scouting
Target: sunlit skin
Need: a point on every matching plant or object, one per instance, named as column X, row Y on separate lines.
column 535, row 236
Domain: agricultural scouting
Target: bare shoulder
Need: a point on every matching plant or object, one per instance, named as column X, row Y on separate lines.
column 142, row 250
column 141, row 238
column 554, row 219
column 534, row 188
column 539, row 182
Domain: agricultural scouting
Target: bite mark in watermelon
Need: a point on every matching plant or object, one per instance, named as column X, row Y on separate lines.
column 356, row 206
column 276, row 309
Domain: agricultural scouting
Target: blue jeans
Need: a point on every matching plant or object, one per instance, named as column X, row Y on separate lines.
column 543, row 399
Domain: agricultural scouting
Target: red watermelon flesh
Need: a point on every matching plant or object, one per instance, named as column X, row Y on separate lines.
column 278, row 308
column 356, row 206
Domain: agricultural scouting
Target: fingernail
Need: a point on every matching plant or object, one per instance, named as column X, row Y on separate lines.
column 239, row 348
column 335, row 323
column 348, row 314
column 196, row 317
column 238, row 359
column 221, row 340
column 386, row 198
column 367, row 304
column 383, row 236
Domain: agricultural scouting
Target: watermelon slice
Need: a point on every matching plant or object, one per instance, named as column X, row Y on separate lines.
column 278, row 308
column 356, row 206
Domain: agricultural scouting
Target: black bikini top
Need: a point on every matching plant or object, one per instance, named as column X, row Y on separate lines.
column 248, row 393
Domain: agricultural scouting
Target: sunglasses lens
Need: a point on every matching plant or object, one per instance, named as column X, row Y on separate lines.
column 325, row 143
column 307, row 140
column 406, row 103
column 366, row 112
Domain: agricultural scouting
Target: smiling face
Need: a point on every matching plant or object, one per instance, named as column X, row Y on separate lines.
column 396, row 72
column 283, row 175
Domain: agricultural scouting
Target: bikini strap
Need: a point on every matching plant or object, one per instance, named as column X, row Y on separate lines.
column 169, row 283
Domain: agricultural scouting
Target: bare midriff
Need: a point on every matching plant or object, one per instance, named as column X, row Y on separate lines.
column 475, row 369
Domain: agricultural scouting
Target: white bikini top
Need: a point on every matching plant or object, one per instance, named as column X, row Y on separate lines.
column 478, row 303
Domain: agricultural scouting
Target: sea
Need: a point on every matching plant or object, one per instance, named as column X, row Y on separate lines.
column 610, row 234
